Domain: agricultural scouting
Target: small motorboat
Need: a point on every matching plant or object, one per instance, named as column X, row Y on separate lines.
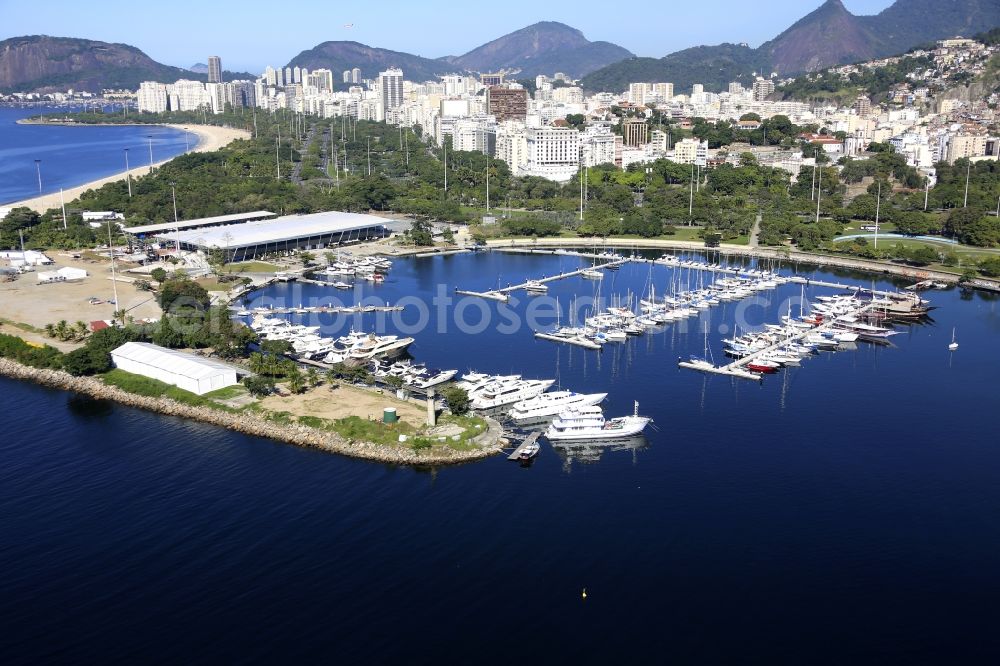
column 529, row 451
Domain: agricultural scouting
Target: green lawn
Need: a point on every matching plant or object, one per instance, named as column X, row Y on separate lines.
column 153, row 388
column 253, row 267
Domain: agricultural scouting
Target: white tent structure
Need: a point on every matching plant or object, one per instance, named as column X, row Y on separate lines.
column 181, row 369
column 64, row 274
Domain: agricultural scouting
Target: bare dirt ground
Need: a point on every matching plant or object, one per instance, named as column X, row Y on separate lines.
column 344, row 401
column 26, row 301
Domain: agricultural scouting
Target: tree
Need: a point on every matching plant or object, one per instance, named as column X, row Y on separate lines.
column 420, row 233
column 306, row 258
column 312, row 378
column 457, row 399
column 990, row 267
column 179, row 293
column 959, row 218
column 296, row 381
column 158, row 274
column 258, row 386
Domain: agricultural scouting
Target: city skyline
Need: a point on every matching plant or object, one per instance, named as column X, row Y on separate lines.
column 454, row 33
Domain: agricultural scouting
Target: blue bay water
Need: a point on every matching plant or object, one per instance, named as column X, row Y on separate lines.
column 841, row 512
column 72, row 156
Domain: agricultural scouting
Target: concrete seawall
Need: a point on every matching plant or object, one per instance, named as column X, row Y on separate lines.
column 250, row 424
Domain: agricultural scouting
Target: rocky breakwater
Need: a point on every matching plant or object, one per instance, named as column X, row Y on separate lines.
column 252, row 424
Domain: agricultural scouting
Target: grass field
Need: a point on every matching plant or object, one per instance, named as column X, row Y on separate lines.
column 153, row 388
column 253, row 267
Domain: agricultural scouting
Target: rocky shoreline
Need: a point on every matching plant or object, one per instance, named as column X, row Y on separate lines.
column 250, row 424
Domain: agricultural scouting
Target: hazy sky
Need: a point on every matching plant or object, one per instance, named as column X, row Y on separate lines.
column 251, row 34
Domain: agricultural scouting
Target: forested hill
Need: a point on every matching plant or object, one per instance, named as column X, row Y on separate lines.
column 40, row 63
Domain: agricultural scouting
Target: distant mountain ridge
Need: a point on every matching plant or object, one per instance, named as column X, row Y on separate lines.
column 828, row 36
column 339, row 56
column 42, row 63
column 543, row 48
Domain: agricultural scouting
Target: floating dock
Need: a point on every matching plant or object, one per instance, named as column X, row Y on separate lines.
column 579, row 342
column 504, row 293
column 528, row 441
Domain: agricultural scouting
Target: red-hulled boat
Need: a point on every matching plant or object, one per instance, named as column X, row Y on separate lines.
column 763, row 367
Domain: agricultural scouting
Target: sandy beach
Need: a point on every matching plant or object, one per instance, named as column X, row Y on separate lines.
column 210, row 137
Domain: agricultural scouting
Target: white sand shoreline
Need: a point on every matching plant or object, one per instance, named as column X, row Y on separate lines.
column 210, row 137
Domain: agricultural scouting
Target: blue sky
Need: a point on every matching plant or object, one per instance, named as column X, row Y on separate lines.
column 252, row 33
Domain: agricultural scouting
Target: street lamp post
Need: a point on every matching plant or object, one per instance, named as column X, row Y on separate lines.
column 150, row 137
column 38, row 170
column 128, row 176
column 173, row 195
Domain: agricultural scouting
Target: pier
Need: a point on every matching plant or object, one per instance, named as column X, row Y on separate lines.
column 737, row 368
column 528, row 441
column 504, row 293
column 322, row 309
column 578, row 341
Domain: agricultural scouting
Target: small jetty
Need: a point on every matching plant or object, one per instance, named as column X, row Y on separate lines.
column 578, row 341
column 528, row 441
column 504, row 293
column 321, row 309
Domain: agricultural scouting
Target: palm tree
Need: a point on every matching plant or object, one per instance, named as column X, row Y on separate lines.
column 50, row 330
column 257, row 363
column 119, row 315
column 61, row 329
column 296, row 381
column 312, row 377
column 80, row 330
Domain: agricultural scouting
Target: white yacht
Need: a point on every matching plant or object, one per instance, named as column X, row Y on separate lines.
column 588, row 423
column 536, row 287
column 550, row 404
column 385, row 346
column 593, row 274
column 501, row 394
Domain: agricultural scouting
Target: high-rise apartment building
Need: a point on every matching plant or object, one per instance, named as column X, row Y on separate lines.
column 490, row 80
column 863, row 106
column 152, row 97
column 356, row 75
column 507, row 103
column 347, row 76
column 553, row 153
column 214, row 69
column 635, row 132
column 664, row 92
column 762, row 89
column 390, row 84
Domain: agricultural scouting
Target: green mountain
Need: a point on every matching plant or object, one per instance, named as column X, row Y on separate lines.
column 542, row 48
column 339, row 56
column 39, row 63
column 713, row 66
column 828, row 36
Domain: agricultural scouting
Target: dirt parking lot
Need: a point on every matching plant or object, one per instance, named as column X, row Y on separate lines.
column 25, row 300
column 344, row 401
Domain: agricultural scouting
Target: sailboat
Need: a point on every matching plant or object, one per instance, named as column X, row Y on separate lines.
column 954, row 345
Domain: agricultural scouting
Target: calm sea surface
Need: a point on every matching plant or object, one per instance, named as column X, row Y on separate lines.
column 842, row 512
column 72, row 156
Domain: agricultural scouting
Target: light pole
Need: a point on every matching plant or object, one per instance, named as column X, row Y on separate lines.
column 38, row 170
column 128, row 176
column 187, row 146
column 150, row 137
column 173, row 195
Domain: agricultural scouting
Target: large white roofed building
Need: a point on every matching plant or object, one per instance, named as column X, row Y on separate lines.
column 282, row 234
column 186, row 371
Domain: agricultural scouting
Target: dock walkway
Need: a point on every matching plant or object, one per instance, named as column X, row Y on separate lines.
column 528, row 441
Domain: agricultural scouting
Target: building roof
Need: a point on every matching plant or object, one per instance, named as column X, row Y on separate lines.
column 173, row 361
column 289, row 227
column 199, row 222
